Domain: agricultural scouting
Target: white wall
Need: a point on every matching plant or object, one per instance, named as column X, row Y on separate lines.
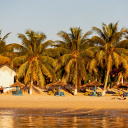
column 6, row 77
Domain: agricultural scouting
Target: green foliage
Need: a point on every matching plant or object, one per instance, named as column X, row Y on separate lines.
column 109, row 54
column 74, row 54
column 35, row 65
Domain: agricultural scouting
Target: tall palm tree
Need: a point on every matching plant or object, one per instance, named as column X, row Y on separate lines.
column 75, row 53
column 108, row 54
column 4, row 50
column 33, row 64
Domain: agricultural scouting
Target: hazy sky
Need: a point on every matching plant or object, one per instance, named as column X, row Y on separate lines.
column 51, row 16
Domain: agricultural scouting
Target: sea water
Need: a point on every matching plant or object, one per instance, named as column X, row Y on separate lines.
column 37, row 119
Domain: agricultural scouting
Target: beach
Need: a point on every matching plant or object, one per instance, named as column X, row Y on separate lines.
column 68, row 104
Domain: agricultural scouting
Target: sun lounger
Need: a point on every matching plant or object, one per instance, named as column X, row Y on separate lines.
column 50, row 93
column 92, row 94
column 18, row 93
column 125, row 94
column 57, row 94
column 99, row 94
column 87, row 93
column 62, row 94
column 118, row 94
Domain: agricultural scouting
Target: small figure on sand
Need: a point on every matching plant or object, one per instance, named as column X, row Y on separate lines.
column 122, row 97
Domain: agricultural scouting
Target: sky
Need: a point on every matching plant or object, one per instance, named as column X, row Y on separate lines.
column 52, row 16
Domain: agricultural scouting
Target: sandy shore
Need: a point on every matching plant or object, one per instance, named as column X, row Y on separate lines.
column 67, row 104
column 58, row 102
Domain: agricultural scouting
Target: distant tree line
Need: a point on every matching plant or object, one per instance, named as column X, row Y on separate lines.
column 74, row 59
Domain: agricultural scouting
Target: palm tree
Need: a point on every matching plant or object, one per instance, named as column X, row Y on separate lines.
column 4, row 50
column 108, row 54
column 33, row 65
column 74, row 54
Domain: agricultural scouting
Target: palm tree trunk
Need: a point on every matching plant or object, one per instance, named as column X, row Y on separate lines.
column 122, row 80
column 75, row 92
column 106, row 81
column 30, row 92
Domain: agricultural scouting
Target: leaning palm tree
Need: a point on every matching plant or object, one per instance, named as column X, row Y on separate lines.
column 74, row 54
column 108, row 54
column 4, row 50
column 33, row 65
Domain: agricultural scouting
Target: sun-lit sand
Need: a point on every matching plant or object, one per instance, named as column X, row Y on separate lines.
column 69, row 102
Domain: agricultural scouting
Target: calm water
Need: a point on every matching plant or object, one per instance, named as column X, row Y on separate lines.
column 37, row 119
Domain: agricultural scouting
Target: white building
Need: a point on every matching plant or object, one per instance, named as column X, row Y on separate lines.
column 6, row 77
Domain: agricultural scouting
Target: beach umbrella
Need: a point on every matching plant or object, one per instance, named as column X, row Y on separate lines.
column 94, row 83
column 85, row 85
column 126, row 84
column 17, row 84
column 121, row 86
column 57, row 84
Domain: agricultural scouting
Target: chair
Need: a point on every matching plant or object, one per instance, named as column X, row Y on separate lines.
column 87, row 93
column 92, row 94
column 57, row 94
column 62, row 94
column 54, row 91
column 117, row 94
column 18, row 93
column 14, row 92
column 50, row 93
column 99, row 94
column 125, row 94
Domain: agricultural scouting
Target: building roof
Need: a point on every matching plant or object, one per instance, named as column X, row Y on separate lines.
column 6, row 66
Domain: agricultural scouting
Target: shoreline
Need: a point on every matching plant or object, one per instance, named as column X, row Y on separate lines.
column 45, row 105
column 67, row 102
column 64, row 112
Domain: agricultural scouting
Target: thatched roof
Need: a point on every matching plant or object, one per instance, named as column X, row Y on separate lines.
column 120, row 86
column 85, row 85
column 17, row 83
column 58, row 83
column 126, row 84
column 94, row 83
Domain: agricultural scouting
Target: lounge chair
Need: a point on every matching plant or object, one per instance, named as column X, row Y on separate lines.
column 17, row 93
column 50, row 93
column 14, row 92
column 125, row 94
column 87, row 93
column 62, row 94
column 92, row 94
column 57, row 94
column 118, row 94
column 99, row 94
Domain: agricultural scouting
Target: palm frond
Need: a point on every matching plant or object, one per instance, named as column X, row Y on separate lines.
column 45, row 45
column 68, row 66
column 16, row 46
column 28, row 76
column 92, row 65
column 48, row 60
column 98, row 40
column 4, row 60
column 41, row 78
column 64, row 36
column 3, row 39
column 97, row 30
column 51, row 53
column 19, row 60
column 22, row 70
column 87, row 53
column 123, row 44
column 116, row 59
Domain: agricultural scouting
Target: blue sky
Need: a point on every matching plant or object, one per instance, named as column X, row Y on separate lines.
column 51, row 16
